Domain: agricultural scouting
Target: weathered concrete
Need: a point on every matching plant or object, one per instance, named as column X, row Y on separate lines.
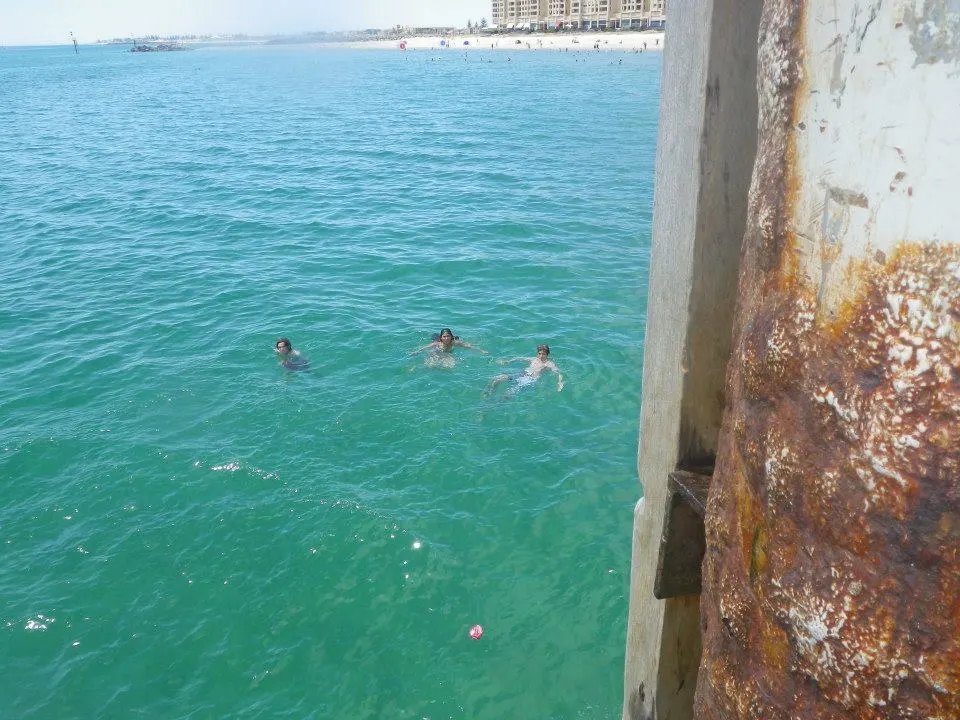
column 832, row 575
column 708, row 107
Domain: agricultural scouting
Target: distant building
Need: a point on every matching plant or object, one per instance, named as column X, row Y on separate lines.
column 578, row 14
column 425, row 31
column 498, row 13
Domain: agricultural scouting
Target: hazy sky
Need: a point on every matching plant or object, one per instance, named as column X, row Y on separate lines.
column 51, row 21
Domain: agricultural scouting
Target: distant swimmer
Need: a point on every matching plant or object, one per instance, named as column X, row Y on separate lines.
column 290, row 359
column 528, row 377
column 440, row 349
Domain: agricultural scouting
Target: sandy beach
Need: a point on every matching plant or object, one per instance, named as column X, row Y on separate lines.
column 563, row 42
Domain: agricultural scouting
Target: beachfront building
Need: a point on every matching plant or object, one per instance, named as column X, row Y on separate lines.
column 656, row 13
column 498, row 13
column 633, row 13
column 523, row 14
column 595, row 14
column 558, row 14
column 578, row 14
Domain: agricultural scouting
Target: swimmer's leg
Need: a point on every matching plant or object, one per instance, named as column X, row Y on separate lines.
column 492, row 385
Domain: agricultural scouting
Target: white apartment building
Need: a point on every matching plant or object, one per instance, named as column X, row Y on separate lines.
column 577, row 14
column 633, row 12
column 557, row 13
column 498, row 14
column 524, row 14
column 658, row 13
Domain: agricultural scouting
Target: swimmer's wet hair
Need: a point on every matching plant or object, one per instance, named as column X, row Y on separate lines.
column 445, row 330
column 543, row 347
column 282, row 340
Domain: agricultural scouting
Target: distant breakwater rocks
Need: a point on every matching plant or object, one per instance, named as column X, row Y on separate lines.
column 159, row 47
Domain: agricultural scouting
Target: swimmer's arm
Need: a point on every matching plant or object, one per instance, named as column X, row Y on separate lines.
column 461, row 343
column 553, row 366
column 421, row 349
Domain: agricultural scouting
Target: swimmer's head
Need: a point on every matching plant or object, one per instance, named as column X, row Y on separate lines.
column 543, row 351
column 447, row 336
column 283, row 346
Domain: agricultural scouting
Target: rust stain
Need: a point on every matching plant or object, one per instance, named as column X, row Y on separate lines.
column 832, row 576
column 775, row 644
column 897, row 179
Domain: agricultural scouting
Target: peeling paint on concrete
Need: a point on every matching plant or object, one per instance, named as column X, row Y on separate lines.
column 935, row 31
column 892, row 142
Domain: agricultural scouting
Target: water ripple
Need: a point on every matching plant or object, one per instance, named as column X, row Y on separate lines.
column 188, row 525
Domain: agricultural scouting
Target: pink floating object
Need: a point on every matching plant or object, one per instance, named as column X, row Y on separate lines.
column 476, row 632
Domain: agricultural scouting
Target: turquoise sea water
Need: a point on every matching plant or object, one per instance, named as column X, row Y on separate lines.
column 187, row 529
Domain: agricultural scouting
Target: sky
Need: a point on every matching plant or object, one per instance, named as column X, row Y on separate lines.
column 27, row 22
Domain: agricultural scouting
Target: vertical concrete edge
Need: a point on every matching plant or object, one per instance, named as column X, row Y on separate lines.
column 683, row 89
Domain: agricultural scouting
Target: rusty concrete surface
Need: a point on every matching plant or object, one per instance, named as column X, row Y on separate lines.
column 832, row 574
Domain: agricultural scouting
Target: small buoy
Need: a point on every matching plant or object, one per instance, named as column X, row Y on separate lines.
column 476, row 632
column 403, row 46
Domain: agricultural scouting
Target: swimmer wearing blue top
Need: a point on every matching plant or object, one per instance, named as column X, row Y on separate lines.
column 529, row 376
column 290, row 359
column 441, row 348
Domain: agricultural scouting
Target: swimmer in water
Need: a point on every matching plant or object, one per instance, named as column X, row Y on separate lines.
column 520, row 380
column 441, row 349
column 290, row 359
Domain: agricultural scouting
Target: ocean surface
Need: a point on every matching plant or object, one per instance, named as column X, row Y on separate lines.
column 189, row 530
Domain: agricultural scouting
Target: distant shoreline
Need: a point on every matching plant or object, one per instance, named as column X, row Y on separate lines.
column 632, row 40
column 610, row 41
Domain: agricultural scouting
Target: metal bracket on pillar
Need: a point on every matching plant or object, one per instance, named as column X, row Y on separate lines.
column 682, row 542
